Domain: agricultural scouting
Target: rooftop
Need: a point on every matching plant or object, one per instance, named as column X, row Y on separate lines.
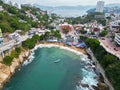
column 118, row 34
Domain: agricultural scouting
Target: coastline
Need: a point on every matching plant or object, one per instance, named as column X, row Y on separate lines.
column 6, row 72
column 19, row 62
column 99, row 68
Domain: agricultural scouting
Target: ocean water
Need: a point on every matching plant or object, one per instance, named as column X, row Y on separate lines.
column 42, row 73
column 66, row 12
column 69, row 12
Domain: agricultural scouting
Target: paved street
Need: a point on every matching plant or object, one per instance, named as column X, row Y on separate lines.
column 110, row 47
column 11, row 43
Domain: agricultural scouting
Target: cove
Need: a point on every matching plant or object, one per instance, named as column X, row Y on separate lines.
column 44, row 74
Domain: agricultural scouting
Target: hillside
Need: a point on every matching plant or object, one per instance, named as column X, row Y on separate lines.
column 113, row 5
column 109, row 8
column 12, row 19
column 79, row 7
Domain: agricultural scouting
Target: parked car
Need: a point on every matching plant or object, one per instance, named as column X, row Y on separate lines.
column 115, row 49
column 103, row 38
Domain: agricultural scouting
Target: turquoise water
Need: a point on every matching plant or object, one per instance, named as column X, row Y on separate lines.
column 44, row 74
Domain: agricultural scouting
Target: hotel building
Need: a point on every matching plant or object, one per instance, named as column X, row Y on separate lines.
column 100, row 6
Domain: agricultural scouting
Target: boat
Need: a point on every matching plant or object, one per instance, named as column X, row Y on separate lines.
column 57, row 61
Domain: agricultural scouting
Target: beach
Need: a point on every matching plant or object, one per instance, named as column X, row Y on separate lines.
column 18, row 62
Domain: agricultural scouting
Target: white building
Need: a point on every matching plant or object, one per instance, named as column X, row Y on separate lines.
column 15, row 36
column 114, row 24
column 100, row 6
column 1, row 8
column 5, row 1
column 107, row 15
column 10, row 3
column 117, row 38
column 17, row 5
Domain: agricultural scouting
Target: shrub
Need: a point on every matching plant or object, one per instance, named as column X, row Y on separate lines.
column 7, row 60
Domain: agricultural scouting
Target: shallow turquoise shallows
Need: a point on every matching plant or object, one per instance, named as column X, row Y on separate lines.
column 45, row 73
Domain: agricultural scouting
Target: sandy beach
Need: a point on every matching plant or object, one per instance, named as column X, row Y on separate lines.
column 79, row 51
column 82, row 50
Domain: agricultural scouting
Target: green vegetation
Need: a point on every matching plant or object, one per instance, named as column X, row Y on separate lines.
column 12, row 19
column 83, row 38
column 103, row 33
column 99, row 17
column 83, row 31
column 56, row 33
column 110, row 63
column 65, row 30
column 30, row 43
column 51, row 35
column 9, row 19
column 14, row 54
column 7, row 60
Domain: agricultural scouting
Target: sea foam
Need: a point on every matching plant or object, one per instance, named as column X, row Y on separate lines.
column 89, row 76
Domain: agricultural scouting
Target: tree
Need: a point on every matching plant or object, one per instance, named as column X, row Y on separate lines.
column 14, row 23
column 34, row 24
column 83, row 31
column 93, row 43
column 35, row 38
column 83, row 38
column 12, row 10
column 18, row 49
column 65, row 30
column 41, row 37
column 57, row 34
column 102, row 21
column 108, row 60
column 5, row 27
column 113, row 73
column 46, row 35
column 7, row 60
column 30, row 43
column 109, row 18
column 103, row 33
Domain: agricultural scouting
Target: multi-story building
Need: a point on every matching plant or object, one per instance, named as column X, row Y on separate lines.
column 114, row 25
column 100, row 6
column 5, row 1
column 1, row 37
column 17, row 5
column 10, row 3
column 117, row 38
column 1, row 8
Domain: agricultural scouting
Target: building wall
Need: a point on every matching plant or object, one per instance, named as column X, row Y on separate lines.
column 100, row 6
column 117, row 38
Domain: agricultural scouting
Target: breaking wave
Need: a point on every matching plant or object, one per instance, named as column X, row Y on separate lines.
column 89, row 76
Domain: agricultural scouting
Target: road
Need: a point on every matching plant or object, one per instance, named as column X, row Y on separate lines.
column 110, row 47
column 12, row 43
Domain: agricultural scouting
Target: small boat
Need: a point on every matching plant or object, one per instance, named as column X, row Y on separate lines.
column 57, row 61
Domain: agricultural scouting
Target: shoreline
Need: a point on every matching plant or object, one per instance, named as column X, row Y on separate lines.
column 8, row 71
column 100, row 69
column 27, row 54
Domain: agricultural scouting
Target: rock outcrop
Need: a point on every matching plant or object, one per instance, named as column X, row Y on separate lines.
column 7, row 71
